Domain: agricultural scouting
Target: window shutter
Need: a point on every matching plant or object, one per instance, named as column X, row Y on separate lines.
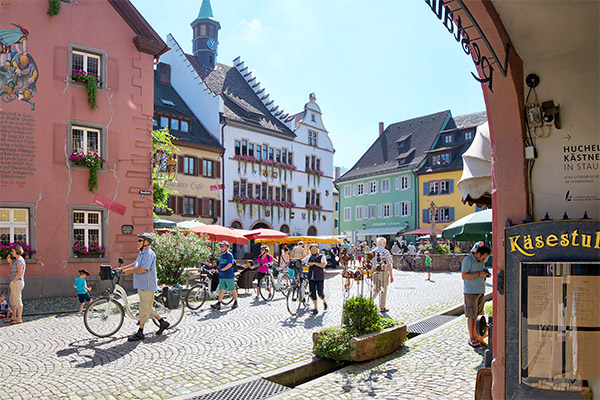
column 180, row 164
column 380, row 211
column 217, row 212
column 451, row 213
column 179, row 205
column 425, row 188
column 217, row 169
column 408, row 209
column 205, row 207
column 425, row 216
column 397, row 207
column 172, row 203
column 409, row 181
column 397, row 180
column 365, row 212
column 355, row 190
column 199, row 166
column 197, row 205
column 451, row 186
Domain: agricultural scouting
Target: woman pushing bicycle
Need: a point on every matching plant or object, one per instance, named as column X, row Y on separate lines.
column 263, row 261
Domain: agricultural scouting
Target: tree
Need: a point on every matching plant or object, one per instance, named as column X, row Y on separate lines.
column 164, row 165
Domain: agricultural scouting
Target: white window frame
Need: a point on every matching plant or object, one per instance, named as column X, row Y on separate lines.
column 405, row 182
column 386, row 210
column 86, row 56
column 86, row 226
column 189, row 161
column 373, row 187
column 360, row 189
column 443, row 214
column 89, row 52
column 312, row 138
column 359, row 213
column 404, row 208
column 86, row 131
column 444, row 187
column 11, row 224
column 385, row 185
column 433, row 185
column 347, row 213
column 347, row 191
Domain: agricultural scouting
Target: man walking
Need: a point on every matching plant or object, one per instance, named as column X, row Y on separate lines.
column 226, row 276
column 382, row 265
column 316, row 276
column 144, row 280
column 474, row 274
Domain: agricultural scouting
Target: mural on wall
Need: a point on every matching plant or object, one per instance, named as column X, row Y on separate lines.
column 18, row 70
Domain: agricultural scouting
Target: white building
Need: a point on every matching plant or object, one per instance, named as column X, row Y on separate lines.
column 277, row 168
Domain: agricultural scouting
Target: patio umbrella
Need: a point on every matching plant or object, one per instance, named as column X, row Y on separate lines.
column 162, row 223
column 472, row 227
column 218, row 233
column 426, row 230
column 263, row 233
column 189, row 224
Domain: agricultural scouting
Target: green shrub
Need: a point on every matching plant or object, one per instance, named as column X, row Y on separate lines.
column 442, row 249
column 332, row 342
column 360, row 316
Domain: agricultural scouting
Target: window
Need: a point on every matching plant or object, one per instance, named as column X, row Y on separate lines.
column 347, row 191
column 189, row 206
column 257, row 189
column 271, row 154
column 185, row 127
column 290, row 158
column 264, row 190
column 283, row 192
column 85, row 140
column 164, row 122
column 154, row 122
column 278, row 194
column 189, row 165
column 468, row 135
column 444, row 187
column 202, row 29
column 359, row 213
column 439, row 159
column 174, row 124
column 283, row 155
column 385, row 185
column 244, row 147
column 312, row 138
column 372, row 211
column 433, row 187
column 278, row 156
column 264, row 151
column 237, row 148
column 243, row 187
column 307, row 162
column 443, row 214
column 250, row 190
column 403, row 209
column 448, row 139
column 211, row 31
column 289, row 195
column 347, row 213
column 438, row 187
column 251, row 149
column 360, row 189
column 337, row 206
column 386, row 210
column 373, row 187
column 335, row 223
column 87, row 228
column 312, row 117
column 88, row 62
column 208, row 168
column 318, row 164
column 258, row 152
column 211, row 207
column 236, row 188
column 270, row 192
column 14, row 225
column 405, row 182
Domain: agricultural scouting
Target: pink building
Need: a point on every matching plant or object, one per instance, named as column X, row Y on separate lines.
column 46, row 117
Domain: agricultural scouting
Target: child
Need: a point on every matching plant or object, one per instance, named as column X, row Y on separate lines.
column 82, row 288
column 428, row 265
column 5, row 310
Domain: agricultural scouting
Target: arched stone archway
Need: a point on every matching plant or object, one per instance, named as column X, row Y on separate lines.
column 261, row 223
column 285, row 228
column 311, row 231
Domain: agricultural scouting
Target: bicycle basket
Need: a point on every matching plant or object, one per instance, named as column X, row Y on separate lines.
column 105, row 273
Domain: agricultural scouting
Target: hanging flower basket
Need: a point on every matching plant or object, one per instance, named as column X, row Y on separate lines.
column 91, row 82
column 53, row 8
column 93, row 162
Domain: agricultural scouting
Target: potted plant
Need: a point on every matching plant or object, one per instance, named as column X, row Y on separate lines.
column 5, row 249
column 364, row 334
column 91, row 82
column 93, row 162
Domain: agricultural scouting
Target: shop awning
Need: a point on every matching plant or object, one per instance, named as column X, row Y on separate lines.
column 381, row 231
column 476, row 181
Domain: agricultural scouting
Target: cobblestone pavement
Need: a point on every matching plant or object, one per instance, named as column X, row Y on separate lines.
column 54, row 357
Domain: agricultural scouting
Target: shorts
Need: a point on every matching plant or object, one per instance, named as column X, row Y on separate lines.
column 227, row 284
column 428, row 268
column 83, row 297
column 473, row 304
column 314, row 287
column 259, row 275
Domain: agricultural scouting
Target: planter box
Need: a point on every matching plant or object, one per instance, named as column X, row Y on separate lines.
column 372, row 345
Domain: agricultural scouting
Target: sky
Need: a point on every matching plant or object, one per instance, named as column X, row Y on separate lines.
column 367, row 61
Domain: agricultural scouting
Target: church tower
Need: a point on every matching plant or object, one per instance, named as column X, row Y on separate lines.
column 206, row 33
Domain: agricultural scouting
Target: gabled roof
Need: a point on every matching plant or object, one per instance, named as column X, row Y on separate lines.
column 380, row 158
column 466, row 121
column 241, row 103
column 164, row 96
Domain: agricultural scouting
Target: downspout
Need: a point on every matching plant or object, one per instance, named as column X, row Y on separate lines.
column 224, row 122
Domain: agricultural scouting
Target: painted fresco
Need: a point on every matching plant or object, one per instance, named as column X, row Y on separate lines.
column 18, row 70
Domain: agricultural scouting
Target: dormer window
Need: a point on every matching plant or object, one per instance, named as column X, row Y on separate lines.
column 469, row 135
column 440, row 159
column 312, row 117
column 448, row 139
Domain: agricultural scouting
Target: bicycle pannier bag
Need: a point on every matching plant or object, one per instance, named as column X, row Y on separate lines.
column 171, row 296
column 105, row 273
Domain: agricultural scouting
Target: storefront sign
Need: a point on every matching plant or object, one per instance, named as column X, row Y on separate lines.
column 459, row 22
column 528, row 244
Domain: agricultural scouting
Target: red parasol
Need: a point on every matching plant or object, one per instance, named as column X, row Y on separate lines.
column 218, row 233
column 422, row 231
column 263, row 233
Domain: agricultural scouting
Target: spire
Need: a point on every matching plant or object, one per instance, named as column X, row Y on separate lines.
column 205, row 10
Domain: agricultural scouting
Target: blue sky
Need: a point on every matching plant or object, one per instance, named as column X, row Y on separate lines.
column 366, row 61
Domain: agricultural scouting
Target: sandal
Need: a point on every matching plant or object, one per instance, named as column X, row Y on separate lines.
column 474, row 343
column 16, row 322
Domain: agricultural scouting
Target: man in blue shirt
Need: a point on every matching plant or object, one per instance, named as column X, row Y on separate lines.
column 226, row 276
column 473, row 275
column 144, row 280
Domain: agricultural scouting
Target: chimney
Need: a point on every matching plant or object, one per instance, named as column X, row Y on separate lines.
column 337, row 173
column 164, row 73
column 380, row 128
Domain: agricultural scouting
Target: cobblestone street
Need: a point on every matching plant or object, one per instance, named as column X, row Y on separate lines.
column 54, row 357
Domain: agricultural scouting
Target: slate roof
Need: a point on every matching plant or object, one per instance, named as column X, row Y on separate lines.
column 381, row 157
column 459, row 145
column 241, row 103
column 198, row 133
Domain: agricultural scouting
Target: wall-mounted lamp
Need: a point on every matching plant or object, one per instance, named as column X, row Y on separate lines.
column 161, row 182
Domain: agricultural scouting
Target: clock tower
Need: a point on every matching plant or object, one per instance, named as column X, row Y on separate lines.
column 205, row 41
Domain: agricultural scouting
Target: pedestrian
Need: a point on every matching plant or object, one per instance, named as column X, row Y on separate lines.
column 403, row 247
column 382, row 265
column 428, row 265
column 474, row 275
column 264, row 260
column 396, row 249
column 82, row 289
column 476, row 246
column 5, row 310
column 284, row 263
column 16, row 281
column 335, row 255
column 411, row 249
column 226, row 276
column 145, row 281
column 316, row 276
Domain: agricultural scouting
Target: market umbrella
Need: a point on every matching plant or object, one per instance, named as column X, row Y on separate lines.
column 162, row 223
column 263, row 233
column 426, row 230
column 218, row 233
column 472, row 227
column 189, row 224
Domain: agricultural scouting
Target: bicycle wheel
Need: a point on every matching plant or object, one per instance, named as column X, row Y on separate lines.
column 306, row 294
column 103, row 317
column 284, row 283
column 417, row 264
column 172, row 316
column 266, row 288
column 454, row 265
column 196, row 297
column 294, row 299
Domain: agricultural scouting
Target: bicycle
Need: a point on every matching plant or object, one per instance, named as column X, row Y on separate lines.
column 267, row 285
column 416, row 264
column 104, row 316
column 454, row 265
column 207, row 289
column 298, row 294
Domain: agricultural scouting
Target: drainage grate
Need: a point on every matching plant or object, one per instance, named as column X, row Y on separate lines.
column 253, row 390
column 428, row 324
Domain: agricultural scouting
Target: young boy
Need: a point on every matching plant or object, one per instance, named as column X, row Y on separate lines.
column 5, row 310
column 82, row 288
column 428, row 265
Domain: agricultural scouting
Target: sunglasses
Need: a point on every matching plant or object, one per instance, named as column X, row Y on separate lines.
column 140, row 240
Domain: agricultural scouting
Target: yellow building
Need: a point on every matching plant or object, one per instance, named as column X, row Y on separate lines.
column 442, row 169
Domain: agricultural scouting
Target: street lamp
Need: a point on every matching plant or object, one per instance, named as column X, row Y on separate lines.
column 161, row 182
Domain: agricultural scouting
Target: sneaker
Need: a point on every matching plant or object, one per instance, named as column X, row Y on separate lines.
column 256, row 298
column 136, row 336
column 216, row 306
column 314, row 311
column 235, row 305
column 163, row 325
column 325, row 306
column 384, row 310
